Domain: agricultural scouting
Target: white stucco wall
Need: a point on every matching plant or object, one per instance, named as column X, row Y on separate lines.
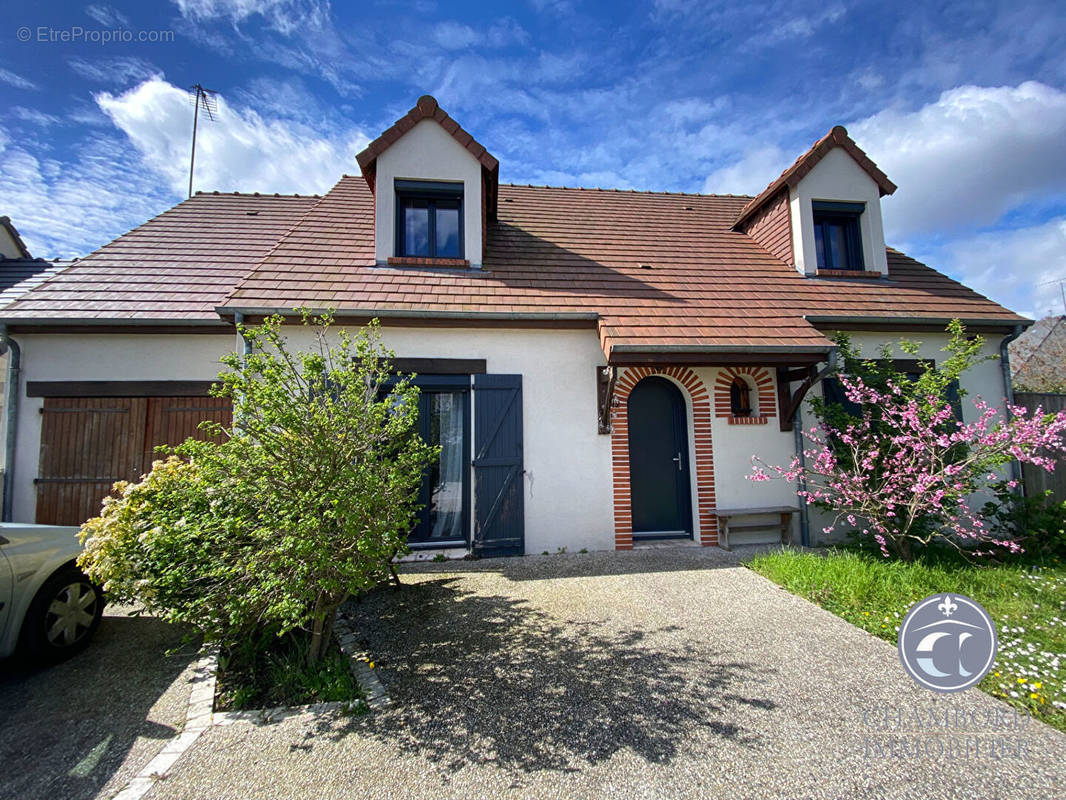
column 568, row 488
column 837, row 177
column 568, row 480
column 984, row 380
column 734, row 447
column 8, row 248
column 427, row 152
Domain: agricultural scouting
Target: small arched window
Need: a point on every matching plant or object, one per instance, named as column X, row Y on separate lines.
column 740, row 398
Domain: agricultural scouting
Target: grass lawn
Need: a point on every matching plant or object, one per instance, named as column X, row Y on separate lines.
column 275, row 673
column 1026, row 601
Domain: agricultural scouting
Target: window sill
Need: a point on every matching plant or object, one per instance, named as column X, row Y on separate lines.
column 760, row 419
column 406, row 261
column 847, row 273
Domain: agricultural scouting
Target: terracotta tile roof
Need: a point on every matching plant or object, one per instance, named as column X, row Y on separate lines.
column 837, row 137
column 658, row 270
column 177, row 266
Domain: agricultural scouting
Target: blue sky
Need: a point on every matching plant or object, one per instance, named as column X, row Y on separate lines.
column 962, row 104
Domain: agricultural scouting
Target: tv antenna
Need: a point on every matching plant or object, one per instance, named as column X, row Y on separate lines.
column 207, row 100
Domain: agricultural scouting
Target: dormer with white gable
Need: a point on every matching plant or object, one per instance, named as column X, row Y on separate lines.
column 435, row 189
column 823, row 214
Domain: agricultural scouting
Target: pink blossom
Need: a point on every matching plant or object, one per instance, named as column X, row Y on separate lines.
column 925, row 469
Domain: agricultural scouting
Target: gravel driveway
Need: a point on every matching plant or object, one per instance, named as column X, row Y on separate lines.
column 83, row 728
column 661, row 673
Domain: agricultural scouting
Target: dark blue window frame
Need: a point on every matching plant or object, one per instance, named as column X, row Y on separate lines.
column 432, row 194
column 844, row 216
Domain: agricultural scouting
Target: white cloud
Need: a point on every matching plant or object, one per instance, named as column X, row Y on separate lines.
column 108, row 16
column 240, row 151
column 119, row 71
column 120, row 175
column 1018, row 268
column 65, row 209
column 799, row 27
column 34, row 116
column 504, row 32
column 968, row 158
column 16, row 80
column 751, row 174
column 284, row 16
column 454, row 35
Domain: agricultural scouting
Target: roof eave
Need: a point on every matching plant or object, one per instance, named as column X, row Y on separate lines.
column 902, row 322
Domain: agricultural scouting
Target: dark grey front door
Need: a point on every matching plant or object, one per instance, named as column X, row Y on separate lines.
column 658, row 460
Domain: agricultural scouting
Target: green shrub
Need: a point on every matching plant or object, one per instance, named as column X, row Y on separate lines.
column 1038, row 523
column 305, row 500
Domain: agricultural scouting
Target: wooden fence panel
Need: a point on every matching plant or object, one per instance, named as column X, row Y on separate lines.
column 1036, row 480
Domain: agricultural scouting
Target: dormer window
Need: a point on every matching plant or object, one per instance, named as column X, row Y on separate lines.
column 837, row 237
column 429, row 219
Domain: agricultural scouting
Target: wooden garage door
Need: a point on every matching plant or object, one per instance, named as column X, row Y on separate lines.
column 88, row 443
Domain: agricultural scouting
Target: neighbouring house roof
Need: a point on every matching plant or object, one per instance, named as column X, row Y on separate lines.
column 12, row 231
column 653, row 271
column 177, row 266
column 837, row 137
column 1038, row 356
column 18, row 276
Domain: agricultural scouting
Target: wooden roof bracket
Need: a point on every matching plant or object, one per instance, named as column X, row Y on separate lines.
column 789, row 401
column 606, row 378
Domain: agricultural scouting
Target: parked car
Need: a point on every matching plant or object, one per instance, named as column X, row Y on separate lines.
column 49, row 609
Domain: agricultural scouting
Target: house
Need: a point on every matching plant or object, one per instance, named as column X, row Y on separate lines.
column 19, row 272
column 599, row 366
column 1038, row 357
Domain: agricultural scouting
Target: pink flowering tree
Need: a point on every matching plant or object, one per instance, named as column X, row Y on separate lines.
column 903, row 469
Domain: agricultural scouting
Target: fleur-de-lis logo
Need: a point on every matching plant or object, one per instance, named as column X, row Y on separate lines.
column 947, row 607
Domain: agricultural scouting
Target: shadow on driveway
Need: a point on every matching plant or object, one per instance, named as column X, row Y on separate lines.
column 478, row 678
column 68, row 728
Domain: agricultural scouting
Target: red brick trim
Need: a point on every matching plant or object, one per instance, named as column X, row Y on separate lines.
column 409, row 261
column 760, row 380
column 701, row 433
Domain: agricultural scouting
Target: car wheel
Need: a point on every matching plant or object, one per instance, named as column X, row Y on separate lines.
column 63, row 616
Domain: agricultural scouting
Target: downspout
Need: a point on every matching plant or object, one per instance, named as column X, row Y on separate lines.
column 246, row 348
column 238, row 320
column 11, row 407
column 1008, row 386
column 797, row 433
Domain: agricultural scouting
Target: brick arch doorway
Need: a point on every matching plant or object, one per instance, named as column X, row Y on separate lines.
column 703, row 467
column 659, row 470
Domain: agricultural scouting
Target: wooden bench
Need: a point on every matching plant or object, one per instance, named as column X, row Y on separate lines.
column 726, row 526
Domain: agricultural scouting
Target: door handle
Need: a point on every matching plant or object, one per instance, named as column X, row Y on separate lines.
column 677, row 458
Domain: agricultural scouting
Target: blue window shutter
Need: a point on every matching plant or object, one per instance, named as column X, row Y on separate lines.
column 499, row 507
